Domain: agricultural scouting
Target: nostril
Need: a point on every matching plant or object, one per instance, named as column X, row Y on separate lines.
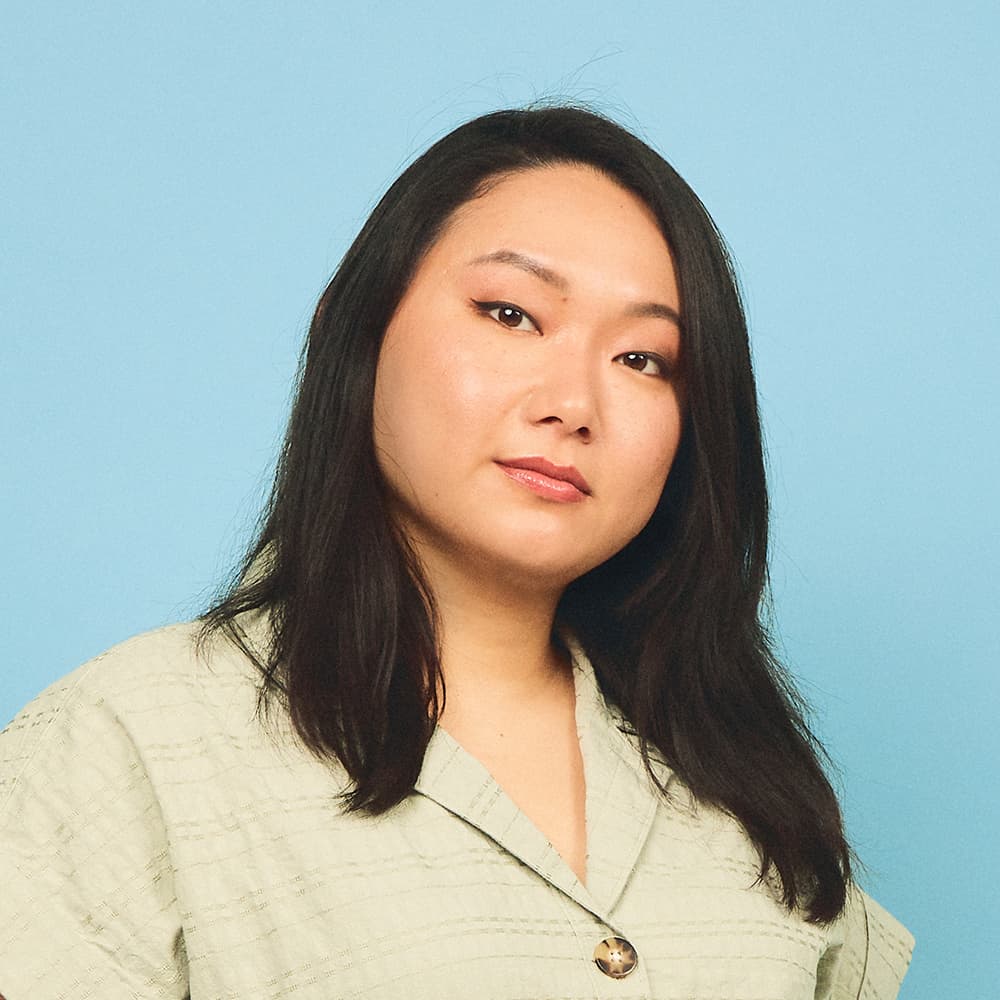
column 567, row 422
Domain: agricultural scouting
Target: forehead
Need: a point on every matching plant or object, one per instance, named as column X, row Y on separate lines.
column 572, row 217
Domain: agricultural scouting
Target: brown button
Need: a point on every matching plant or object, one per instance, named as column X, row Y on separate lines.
column 615, row 957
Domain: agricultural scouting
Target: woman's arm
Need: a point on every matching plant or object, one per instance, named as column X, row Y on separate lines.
column 869, row 953
column 88, row 886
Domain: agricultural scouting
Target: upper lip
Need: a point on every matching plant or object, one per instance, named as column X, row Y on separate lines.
column 534, row 463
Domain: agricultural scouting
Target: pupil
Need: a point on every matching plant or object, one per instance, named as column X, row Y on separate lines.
column 510, row 316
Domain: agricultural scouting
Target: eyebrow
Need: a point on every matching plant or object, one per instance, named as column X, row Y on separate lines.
column 525, row 263
column 654, row 310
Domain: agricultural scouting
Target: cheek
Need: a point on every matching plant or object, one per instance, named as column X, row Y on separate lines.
column 430, row 403
column 465, row 394
column 654, row 447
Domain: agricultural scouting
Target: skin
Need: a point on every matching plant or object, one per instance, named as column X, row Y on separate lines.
column 542, row 323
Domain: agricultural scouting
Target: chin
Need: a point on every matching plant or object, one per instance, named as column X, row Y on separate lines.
column 538, row 572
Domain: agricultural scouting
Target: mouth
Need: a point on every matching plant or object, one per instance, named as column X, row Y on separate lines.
column 555, row 482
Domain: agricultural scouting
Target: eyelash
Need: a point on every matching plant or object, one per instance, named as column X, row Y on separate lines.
column 662, row 364
column 489, row 308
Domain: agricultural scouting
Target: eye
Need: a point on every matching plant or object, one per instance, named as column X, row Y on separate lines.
column 645, row 364
column 508, row 315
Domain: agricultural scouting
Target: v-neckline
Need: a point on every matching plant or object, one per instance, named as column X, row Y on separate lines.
column 621, row 799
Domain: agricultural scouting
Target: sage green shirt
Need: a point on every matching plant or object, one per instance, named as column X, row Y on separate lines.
column 157, row 841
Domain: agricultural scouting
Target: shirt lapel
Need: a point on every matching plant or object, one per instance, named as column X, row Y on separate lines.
column 621, row 800
column 458, row 782
column 621, row 797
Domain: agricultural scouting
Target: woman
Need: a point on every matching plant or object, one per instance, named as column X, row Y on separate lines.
column 490, row 710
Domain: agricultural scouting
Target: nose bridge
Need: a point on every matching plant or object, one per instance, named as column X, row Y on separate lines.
column 567, row 386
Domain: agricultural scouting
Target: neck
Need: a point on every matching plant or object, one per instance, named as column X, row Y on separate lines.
column 495, row 636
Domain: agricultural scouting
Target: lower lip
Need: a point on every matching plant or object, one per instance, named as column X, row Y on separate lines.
column 545, row 486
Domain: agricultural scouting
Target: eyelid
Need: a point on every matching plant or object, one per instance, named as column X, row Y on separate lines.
column 667, row 367
column 486, row 308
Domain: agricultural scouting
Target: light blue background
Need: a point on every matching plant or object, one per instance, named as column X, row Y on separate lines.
column 179, row 181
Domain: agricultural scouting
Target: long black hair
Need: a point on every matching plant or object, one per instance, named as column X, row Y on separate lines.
column 673, row 623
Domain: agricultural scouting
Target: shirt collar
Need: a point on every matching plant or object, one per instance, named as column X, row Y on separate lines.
column 620, row 804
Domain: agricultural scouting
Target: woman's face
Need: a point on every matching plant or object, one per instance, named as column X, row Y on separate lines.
column 527, row 402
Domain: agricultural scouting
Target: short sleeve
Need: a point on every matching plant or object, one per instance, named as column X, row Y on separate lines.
column 87, row 907
column 869, row 953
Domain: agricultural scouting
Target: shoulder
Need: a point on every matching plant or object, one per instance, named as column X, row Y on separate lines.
column 89, row 772
column 154, row 690
column 174, row 656
column 868, row 952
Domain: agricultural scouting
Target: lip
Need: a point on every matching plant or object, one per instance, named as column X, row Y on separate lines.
column 561, row 482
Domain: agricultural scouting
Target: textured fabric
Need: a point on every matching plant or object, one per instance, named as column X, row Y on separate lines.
column 157, row 841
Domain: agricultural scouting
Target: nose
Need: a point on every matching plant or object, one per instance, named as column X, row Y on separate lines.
column 566, row 394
